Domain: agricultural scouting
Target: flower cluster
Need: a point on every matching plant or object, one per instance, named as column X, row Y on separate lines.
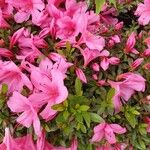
column 74, row 79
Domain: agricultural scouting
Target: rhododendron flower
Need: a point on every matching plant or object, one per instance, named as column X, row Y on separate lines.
column 11, row 75
column 26, row 8
column 80, row 74
column 129, row 48
column 107, row 131
column 143, row 11
column 125, row 89
column 20, row 104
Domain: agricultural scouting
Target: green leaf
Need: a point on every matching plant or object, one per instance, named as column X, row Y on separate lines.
column 113, row 2
column 99, row 5
column 96, row 118
column 79, row 118
column 68, row 46
column 84, row 108
column 83, row 128
column 66, row 115
column 78, row 87
column 110, row 94
column 58, row 107
column 87, row 118
column 4, row 88
column 131, row 119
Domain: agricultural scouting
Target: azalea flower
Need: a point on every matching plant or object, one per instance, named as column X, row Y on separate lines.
column 20, row 104
column 11, row 75
column 20, row 143
column 81, row 75
column 126, row 88
column 107, row 131
column 129, row 47
column 143, row 11
column 26, row 8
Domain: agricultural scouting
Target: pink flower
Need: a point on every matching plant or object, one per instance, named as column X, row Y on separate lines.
column 89, row 55
column 105, row 62
column 95, row 67
column 6, row 53
column 143, row 11
column 117, row 146
column 20, row 104
column 105, row 130
column 53, row 91
column 21, row 143
column 93, row 42
column 125, row 89
column 42, row 144
column 11, row 75
column 80, row 74
column 136, row 63
column 129, row 48
column 3, row 23
column 26, row 8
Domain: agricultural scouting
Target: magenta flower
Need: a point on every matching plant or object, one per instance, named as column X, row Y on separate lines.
column 20, row 104
column 143, row 11
column 107, row 131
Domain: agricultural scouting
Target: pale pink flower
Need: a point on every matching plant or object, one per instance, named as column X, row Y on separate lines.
column 80, row 74
column 136, row 63
column 11, row 75
column 126, row 88
column 143, row 11
column 20, row 104
column 129, row 47
column 107, row 131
